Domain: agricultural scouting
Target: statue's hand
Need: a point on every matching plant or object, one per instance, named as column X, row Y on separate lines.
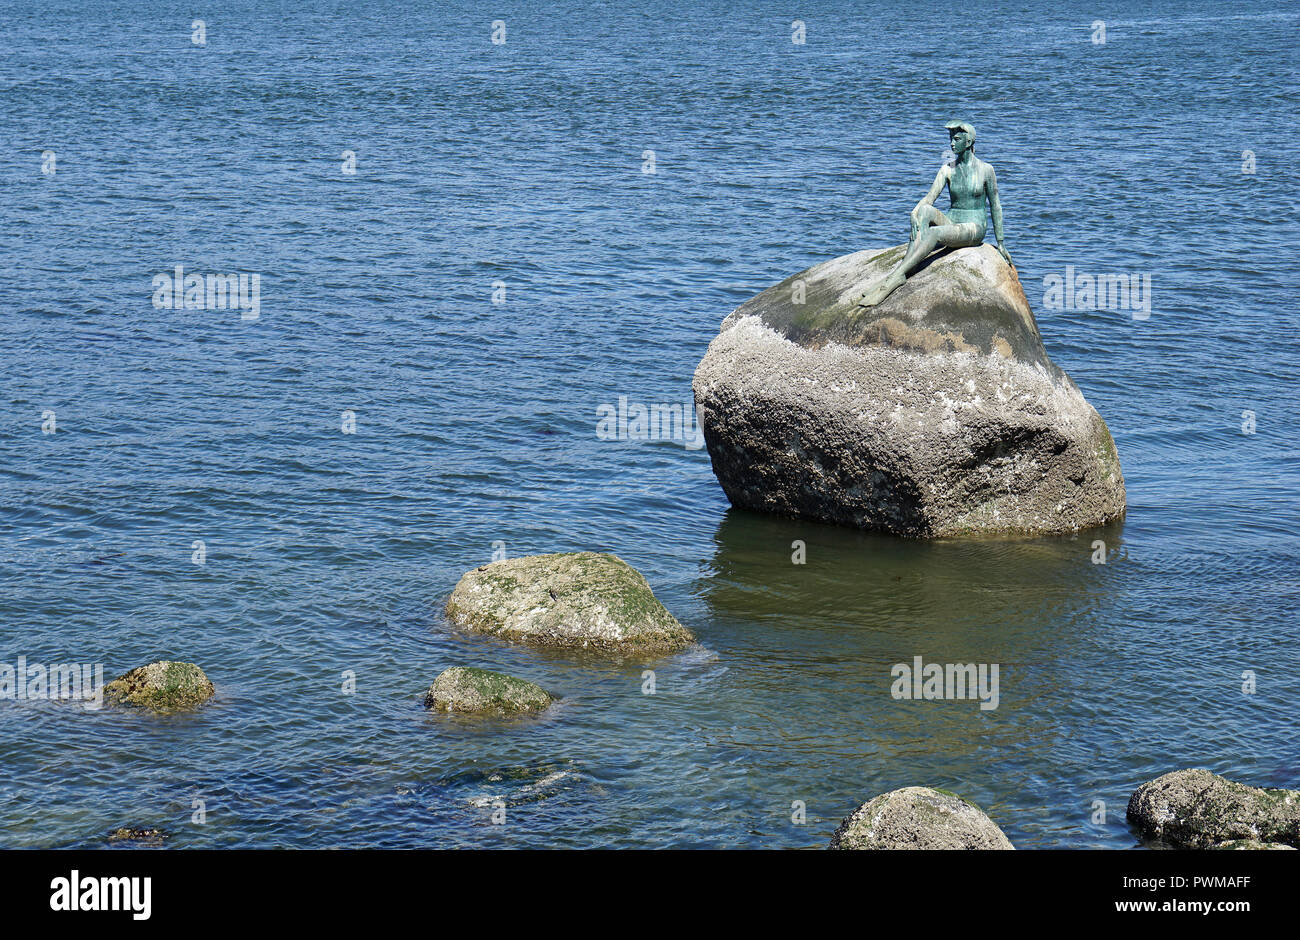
column 1005, row 257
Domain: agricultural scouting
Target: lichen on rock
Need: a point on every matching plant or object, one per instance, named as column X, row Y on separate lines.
column 161, row 686
column 919, row 818
column 1197, row 809
column 568, row 599
column 466, row 689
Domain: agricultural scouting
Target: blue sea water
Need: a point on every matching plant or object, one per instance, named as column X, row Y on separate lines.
column 524, row 164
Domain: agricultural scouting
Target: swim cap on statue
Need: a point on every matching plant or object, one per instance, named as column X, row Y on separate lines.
column 961, row 126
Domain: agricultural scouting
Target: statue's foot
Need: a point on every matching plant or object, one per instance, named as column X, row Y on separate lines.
column 877, row 293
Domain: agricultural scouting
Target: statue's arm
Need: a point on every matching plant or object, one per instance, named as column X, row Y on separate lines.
column 936, row 188
column 995, row 209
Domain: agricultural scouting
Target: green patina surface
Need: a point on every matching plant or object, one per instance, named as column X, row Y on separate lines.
column 973, row 190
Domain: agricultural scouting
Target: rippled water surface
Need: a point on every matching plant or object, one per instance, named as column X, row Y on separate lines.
column 522, row 163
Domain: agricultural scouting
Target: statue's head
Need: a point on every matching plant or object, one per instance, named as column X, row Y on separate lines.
column 961, row 137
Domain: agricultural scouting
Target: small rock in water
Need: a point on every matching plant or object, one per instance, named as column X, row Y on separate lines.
column 919, row 818
column 161, row 686
column 465, row 689
column 140, row 836
column 569, row 599
column 1197, row 809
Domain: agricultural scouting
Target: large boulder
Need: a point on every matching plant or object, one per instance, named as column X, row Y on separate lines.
column 937, row 413
column 162, row 687
column 919, row 818
column 569, row 599
column 1196, row 809
column 465, row 689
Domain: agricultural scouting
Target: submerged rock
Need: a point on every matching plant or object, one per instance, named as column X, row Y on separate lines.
column 161, row 686
column 936, row 413
column 465, row 689
column 919, row 818
column 569, row 599
column 137, row 836
column 1196, row 809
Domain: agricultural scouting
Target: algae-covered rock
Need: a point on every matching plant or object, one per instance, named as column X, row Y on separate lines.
column 919, row 818
column 134, row 836
column 1250, row 845
column 1197, row 809
column 569, row 599
column 465, row 689
column 937, row 413
column 161, row 686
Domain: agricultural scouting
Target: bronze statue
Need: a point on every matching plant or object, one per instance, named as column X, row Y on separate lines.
column 972, row 190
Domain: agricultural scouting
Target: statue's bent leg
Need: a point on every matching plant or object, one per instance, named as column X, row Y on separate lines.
column 959, row 234
column 923, row 216
column 926, row 241
column 927, row 238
